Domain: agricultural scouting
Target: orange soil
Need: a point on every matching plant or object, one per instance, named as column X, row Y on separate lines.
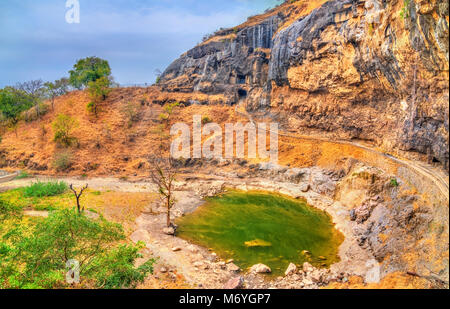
column 108, row 146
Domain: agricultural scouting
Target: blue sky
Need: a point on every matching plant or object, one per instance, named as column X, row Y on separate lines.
column 135, row 36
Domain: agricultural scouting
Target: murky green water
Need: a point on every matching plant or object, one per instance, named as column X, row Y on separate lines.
column 260, row 227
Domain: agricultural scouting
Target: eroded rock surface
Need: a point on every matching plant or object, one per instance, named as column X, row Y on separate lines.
column 371, row 70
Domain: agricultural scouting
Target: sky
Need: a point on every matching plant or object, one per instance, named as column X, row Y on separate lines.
column 137, row 37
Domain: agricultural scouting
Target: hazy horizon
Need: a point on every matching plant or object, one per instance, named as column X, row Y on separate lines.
column 135, row 36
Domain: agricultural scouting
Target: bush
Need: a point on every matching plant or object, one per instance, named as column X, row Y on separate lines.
column 37, row 259
column 394, row 182
column 41, row 189
column 404, row 13
column 118, row 271
column 62, row 161
column 98, row 91
column 13, row 102
column 63, row 127
column 131, row 113
column 206, row 120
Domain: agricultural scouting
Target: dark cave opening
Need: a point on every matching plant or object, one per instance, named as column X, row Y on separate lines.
column 240, row 79
column 242, row 93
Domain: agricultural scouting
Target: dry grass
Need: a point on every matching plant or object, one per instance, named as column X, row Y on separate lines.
column 120, row 207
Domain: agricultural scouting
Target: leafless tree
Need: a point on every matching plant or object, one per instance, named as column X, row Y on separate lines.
column 35, row 89
column 57, row 88
column 77, row 196
column 163, row 175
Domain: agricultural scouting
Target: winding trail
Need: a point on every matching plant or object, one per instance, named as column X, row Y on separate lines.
column 437, row 177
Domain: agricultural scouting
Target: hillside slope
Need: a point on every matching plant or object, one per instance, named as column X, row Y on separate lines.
column 368, row 70
column 107, row 145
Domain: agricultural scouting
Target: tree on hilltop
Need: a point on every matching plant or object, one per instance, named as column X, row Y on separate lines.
column 89, row 70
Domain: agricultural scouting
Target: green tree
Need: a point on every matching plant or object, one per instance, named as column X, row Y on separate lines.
column 89, row 70
column 98, row 91
column 63, row 127
column 37, row 259
column 13, row 102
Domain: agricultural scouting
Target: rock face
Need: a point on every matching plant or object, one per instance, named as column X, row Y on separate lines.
column 373, row 70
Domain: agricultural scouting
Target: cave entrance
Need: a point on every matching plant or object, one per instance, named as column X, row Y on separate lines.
column 240, row 79
column 242, row 93
column 436, row 160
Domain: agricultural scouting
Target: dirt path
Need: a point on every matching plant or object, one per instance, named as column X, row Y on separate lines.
column 437, row 177
column 96, row 183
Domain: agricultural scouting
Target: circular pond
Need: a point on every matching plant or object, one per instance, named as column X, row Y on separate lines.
column 261, row 227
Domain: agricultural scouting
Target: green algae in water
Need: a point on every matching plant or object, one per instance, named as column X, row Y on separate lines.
column 261, row 227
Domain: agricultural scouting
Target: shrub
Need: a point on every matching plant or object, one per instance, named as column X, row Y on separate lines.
column 131, row 113
column 168, row 112
column 404, row 13
column 62, row 161
column 37, row 259
column 63, row 127
column 394, row 182
column 206, row 120
column 98, row 91
column 41, row 189
column 13, row 102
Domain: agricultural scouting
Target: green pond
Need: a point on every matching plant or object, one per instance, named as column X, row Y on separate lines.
column 261, row 227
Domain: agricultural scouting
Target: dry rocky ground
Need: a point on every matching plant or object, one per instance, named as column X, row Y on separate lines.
column 376, row 218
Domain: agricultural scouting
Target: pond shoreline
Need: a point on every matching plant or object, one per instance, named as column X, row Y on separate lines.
column 202, row 267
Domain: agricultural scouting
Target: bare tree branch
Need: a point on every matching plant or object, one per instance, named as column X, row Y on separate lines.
column 77, row 196
column 163, row 175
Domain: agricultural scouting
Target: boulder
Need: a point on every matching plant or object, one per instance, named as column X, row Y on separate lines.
column 292, row 269
column 304, row 187
column 307, row 268
column 198, row 264
column 234, row 283
column 169, row 231
column 163, row 270
column 316, row 276
column 260, row 269
column 233, row 268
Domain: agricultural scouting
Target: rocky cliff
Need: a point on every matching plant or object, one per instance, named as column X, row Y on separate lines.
column 370, row 70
